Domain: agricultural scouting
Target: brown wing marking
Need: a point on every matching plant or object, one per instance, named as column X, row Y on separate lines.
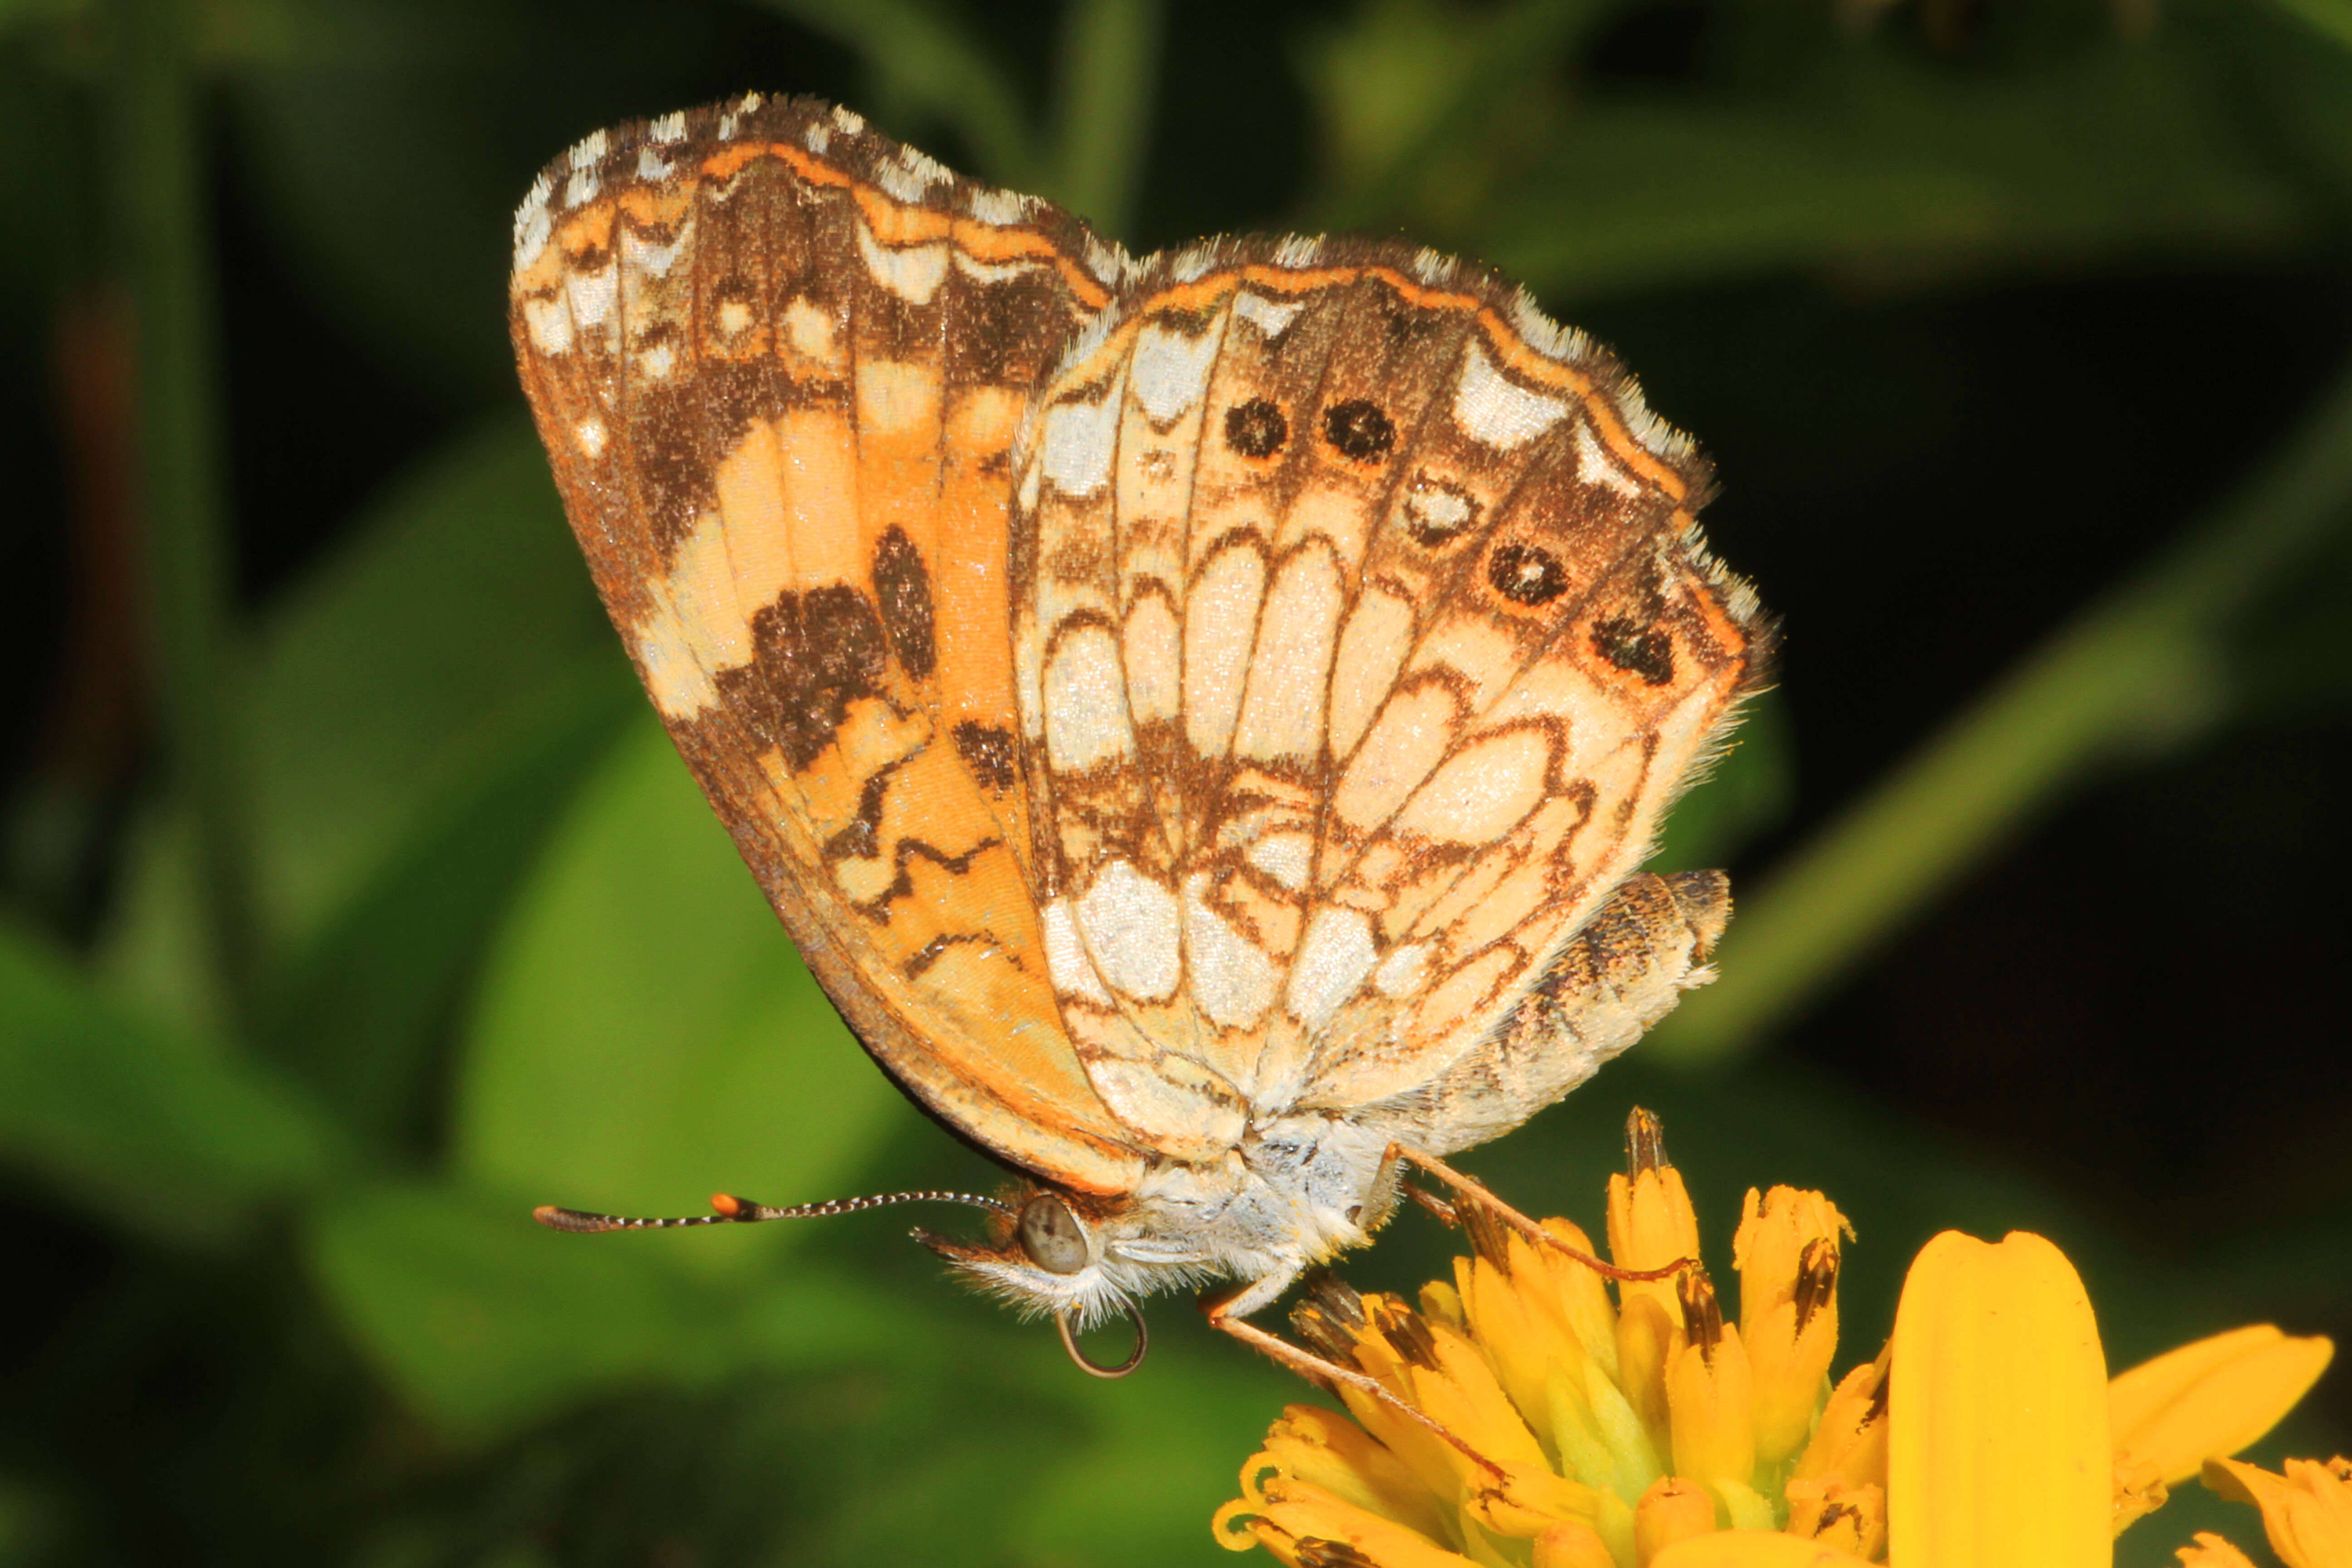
column 739, row 332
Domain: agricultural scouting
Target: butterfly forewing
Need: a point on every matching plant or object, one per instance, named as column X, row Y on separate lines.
column 780, row 365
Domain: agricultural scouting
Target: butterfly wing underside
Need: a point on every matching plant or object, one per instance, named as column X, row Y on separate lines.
column 779, row 364
column 1364, row 633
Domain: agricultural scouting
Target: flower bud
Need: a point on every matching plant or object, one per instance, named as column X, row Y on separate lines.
column 1674, row 1510
column 1786, row 1254
column 1651, row 1226
column 1710, row 1396
column 1572, row 1545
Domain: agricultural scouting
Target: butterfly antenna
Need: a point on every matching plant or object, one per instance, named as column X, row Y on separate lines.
column 727, row 1209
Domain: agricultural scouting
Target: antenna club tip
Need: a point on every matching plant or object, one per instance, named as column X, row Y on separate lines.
column 728, row 1205
column 548, row 1215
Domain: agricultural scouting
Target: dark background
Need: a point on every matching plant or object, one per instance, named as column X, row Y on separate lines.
column 357, row 905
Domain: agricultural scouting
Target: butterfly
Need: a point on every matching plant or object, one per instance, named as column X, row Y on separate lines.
column 1201, row 718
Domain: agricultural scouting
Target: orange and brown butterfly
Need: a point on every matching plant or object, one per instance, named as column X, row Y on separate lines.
column 1201, row 718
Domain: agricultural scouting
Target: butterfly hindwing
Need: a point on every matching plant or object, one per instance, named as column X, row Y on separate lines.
column 780, row 365
column 1370, row 634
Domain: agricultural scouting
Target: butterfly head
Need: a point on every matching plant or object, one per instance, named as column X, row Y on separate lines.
column 1046, row 1253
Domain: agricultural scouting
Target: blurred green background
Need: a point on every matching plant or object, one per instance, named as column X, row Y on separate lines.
column 354, row 902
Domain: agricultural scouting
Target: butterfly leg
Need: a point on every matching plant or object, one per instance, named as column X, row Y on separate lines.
column 1227, row 1312
column 1477, row 1191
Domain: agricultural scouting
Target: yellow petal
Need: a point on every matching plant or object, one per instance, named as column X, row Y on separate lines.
column 2307, row 1512
column 1850, row 1518
column 1710, row 1396
column 1646, row 1334
column 1327, row 1449
column 1300, row 1513
column 2210, row 1551
column 1509, row 1304
column 1601, row 1438
column 1528, row 1501
column 1999, row 1450
column 1651, row 1221
column 1754, row 1549
column 2212, row 1397
column 1235, row 1526
column 1582, row 1296
column 1461, row 1392
column 1395, row 1345
column 1850, row 1441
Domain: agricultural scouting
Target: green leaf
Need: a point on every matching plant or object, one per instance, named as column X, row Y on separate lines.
column 416, row 661
column 486, row 1322
column 2330, row 19
column 647, row 1034
column 127, row 1119
column 366, row 1010
column 1882, row 164
column 392, row 685
column 1167, row 1446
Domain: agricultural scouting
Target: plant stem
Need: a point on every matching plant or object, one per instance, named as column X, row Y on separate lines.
column 2140, row 671
column 159, row 176
column 1109, row 67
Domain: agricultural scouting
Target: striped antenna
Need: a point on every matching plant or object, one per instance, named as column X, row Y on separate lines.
column 730, row 1210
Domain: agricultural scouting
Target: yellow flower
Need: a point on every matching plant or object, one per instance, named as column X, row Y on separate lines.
column 1654, row 1431
column 2306, row 1511
column 2211, row 1397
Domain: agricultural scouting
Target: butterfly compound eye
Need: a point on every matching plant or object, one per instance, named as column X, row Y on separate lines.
column 1050, row 1235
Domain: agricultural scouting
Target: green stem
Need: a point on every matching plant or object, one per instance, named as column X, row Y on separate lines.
column 2140, row 671
column 158, row 174
column 1110, row 62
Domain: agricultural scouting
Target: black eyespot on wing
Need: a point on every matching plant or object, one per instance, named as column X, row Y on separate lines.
column 902, row 591
column 1635, row 649
column 1526, row 573
column 1359, row 431
column 1256, row 428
